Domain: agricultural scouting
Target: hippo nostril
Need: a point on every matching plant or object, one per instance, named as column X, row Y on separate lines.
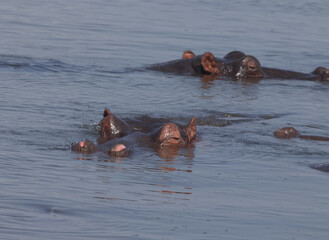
column 170, row 141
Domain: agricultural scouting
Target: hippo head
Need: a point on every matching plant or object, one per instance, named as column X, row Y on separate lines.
column 111, row 127
column 85, row 146
column 286, row 132
column 188, row 54
column 249, row 67
column 173, row 135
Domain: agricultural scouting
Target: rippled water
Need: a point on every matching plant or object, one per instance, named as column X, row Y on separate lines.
column 62, row 63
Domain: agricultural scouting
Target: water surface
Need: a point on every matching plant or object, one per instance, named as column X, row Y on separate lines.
column 62, row 63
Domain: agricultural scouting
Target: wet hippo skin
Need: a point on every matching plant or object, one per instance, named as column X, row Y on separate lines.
column 236, row 65
column 168, row 136
column 244, row 66
column 111, row 127
column 240, row 66
column 290, row 132
column 88, row 147
column 197, row 65
column 188, row 54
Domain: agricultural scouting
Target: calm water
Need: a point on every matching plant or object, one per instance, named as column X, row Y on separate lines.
column 62, row 63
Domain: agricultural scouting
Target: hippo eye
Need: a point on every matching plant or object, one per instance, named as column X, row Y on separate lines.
column 252, row 68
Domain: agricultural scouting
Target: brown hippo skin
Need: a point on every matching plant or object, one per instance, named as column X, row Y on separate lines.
column 167, row 136
column 188, row 54
column 111, row 127
column 236, row 65
column 290, row 132
column 88, row 147
column 188, row 65
column 239, row 65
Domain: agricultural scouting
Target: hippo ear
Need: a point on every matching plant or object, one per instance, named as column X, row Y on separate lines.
column 188, row 54
column 209, row 63
column 106, row 112
column 190, row 130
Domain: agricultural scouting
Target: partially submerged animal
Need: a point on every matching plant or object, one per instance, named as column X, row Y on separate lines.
column 236, row 65
column 290, row 132
column 116, row 137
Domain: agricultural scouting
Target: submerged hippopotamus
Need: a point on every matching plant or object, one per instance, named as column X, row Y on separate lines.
column 116, row 137
column 290, row 132
column 236, row 65
column 115, row 150
column 112, row 127
column 190, row 65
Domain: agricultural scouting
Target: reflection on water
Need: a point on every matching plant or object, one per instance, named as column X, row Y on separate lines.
column 207, row 81
column 163, row 182
column 169, row 153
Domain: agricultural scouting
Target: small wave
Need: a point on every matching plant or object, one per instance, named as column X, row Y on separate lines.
column 37, row 64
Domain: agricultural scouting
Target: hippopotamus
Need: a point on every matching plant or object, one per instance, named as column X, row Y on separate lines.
column 239, row 65
column 168, row 136
column 290, row 132
column 112, row 127
column 235, row 65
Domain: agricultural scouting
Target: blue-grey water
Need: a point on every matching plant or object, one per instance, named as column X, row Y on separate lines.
column 62, row 62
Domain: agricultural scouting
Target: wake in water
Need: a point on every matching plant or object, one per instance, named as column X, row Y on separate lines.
column 36, row 64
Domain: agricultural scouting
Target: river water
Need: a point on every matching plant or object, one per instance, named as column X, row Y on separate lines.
column 62, row 62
